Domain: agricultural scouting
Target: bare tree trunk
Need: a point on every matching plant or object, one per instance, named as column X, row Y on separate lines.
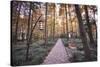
column 51, row 26
column 30, row 36
column 89, row 27
column 31, row 26
column 23, row 33
column 95, row 24
column 28, row 31
column 63, row 26
column 17, row 22
column 75, row 29
column 46, row 24
column 66, row 20
column 54, row 24
column 83, row 34
column 69, row 6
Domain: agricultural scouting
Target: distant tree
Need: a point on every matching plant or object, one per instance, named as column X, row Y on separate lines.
column 70, row 20
column 46, row 9
column 16, row 30
column 66, row 20
column 54, row 23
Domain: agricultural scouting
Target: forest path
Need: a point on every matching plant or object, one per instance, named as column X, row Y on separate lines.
column 57, row 55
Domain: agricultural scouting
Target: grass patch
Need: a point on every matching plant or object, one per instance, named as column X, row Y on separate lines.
column 37, row 53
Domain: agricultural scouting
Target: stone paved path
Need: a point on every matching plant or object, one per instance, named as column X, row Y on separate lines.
column 57, row 55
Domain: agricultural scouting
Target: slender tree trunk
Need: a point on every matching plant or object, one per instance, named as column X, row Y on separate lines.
column 95, row 24
column 31, row 27
column 89, row 27
column 69, row 6
column 17, row 22
column 30, row 36
column 23, row 33
column 46, row 23
column 54, row 24
column 66, row 20
column 83, row 34
column 28, row 31
column 63, row 27
column 75, row 29
column 51, row 25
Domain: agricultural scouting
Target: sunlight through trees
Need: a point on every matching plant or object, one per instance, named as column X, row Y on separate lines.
column 40, row 24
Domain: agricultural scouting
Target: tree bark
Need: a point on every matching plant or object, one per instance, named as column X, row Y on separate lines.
column 95, row 25
column 83, row 34
column 51, row 25
column 46, row 23
column 28, row 31
column 17, row 22
column 63, row 26
column 66, row 20
column 89, row 27
column 70, row 20
column 54, row 24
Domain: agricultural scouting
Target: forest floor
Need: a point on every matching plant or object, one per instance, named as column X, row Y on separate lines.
column 37, row 52
column 56, row 51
